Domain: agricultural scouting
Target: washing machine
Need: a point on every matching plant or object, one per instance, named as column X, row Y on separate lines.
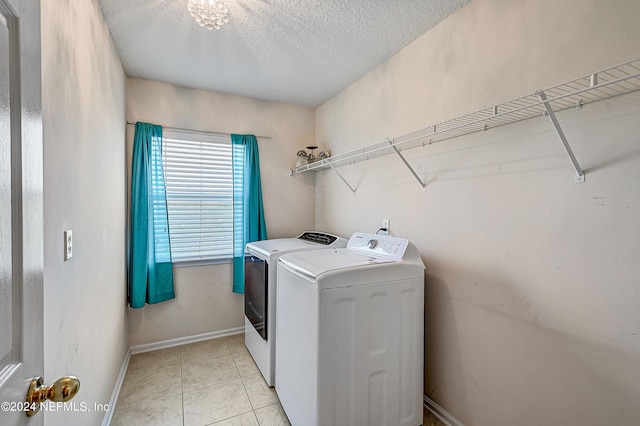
column 260, row 292
column 350, row 334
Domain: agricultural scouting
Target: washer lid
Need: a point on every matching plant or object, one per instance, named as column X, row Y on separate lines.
column 322, row 261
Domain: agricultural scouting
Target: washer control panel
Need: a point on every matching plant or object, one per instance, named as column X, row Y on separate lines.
column 378, row 245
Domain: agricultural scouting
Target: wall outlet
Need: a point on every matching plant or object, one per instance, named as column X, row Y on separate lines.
column 385, row 226
column 68, row 245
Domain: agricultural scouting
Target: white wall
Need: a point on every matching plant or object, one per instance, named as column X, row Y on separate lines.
column 532, row 288
column 85, row 331
column 204, row 302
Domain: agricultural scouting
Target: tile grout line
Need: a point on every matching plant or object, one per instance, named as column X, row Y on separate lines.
column 246, row 391
column 253, row 408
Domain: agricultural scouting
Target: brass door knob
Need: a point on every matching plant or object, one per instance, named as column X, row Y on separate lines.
column 62, row 390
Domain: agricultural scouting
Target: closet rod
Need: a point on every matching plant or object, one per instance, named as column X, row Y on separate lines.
column 180, row 129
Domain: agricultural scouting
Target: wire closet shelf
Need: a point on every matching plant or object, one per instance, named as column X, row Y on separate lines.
column 605, row 84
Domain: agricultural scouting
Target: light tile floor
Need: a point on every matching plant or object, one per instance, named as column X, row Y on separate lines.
column 215, row 382
column 430, row 420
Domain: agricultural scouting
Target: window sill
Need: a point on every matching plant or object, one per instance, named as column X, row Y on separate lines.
column 201, row 262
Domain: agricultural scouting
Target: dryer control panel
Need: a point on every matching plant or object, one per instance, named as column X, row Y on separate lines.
column 378, row 245
column 318, row 237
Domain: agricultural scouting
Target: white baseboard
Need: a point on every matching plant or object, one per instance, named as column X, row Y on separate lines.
column 184, row 340
column 106, row 421
column 443, row 415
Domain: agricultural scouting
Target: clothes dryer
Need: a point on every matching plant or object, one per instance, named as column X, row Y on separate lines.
column 260, row 292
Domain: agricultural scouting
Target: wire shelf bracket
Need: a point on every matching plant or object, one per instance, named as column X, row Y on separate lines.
column 552, row 116
column 342, row 177
column 406, row 163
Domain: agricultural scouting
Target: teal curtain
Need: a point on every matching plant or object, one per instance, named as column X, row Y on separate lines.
column 248, row 212
column 150, row 271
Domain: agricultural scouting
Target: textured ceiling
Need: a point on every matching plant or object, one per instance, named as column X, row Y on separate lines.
column 300, row 52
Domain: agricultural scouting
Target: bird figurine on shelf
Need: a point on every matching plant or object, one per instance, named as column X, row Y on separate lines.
column 305, row 158
column 302, row 160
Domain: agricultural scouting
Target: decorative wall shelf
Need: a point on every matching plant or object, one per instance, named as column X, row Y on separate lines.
column 605, row 84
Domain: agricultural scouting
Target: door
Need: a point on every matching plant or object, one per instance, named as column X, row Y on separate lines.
column 21, row 220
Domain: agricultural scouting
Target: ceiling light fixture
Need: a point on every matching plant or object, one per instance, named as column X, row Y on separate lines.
column 209, row 13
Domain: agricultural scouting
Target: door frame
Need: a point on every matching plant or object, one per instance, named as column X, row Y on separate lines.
column 27, row 220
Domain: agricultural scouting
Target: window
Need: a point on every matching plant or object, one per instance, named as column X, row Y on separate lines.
column 199, row 187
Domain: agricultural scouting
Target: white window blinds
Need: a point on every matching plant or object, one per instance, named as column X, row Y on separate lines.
column 199, row 187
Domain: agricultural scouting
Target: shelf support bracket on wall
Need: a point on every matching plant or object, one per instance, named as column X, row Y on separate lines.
column 342, row 177
column 406, row 163
column 563, row 138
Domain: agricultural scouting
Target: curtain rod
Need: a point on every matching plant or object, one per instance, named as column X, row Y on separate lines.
column 179, row 129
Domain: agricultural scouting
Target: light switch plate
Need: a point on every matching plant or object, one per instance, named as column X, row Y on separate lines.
column 68, row 245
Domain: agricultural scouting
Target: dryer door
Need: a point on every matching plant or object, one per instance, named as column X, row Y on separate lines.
column 256, row 284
